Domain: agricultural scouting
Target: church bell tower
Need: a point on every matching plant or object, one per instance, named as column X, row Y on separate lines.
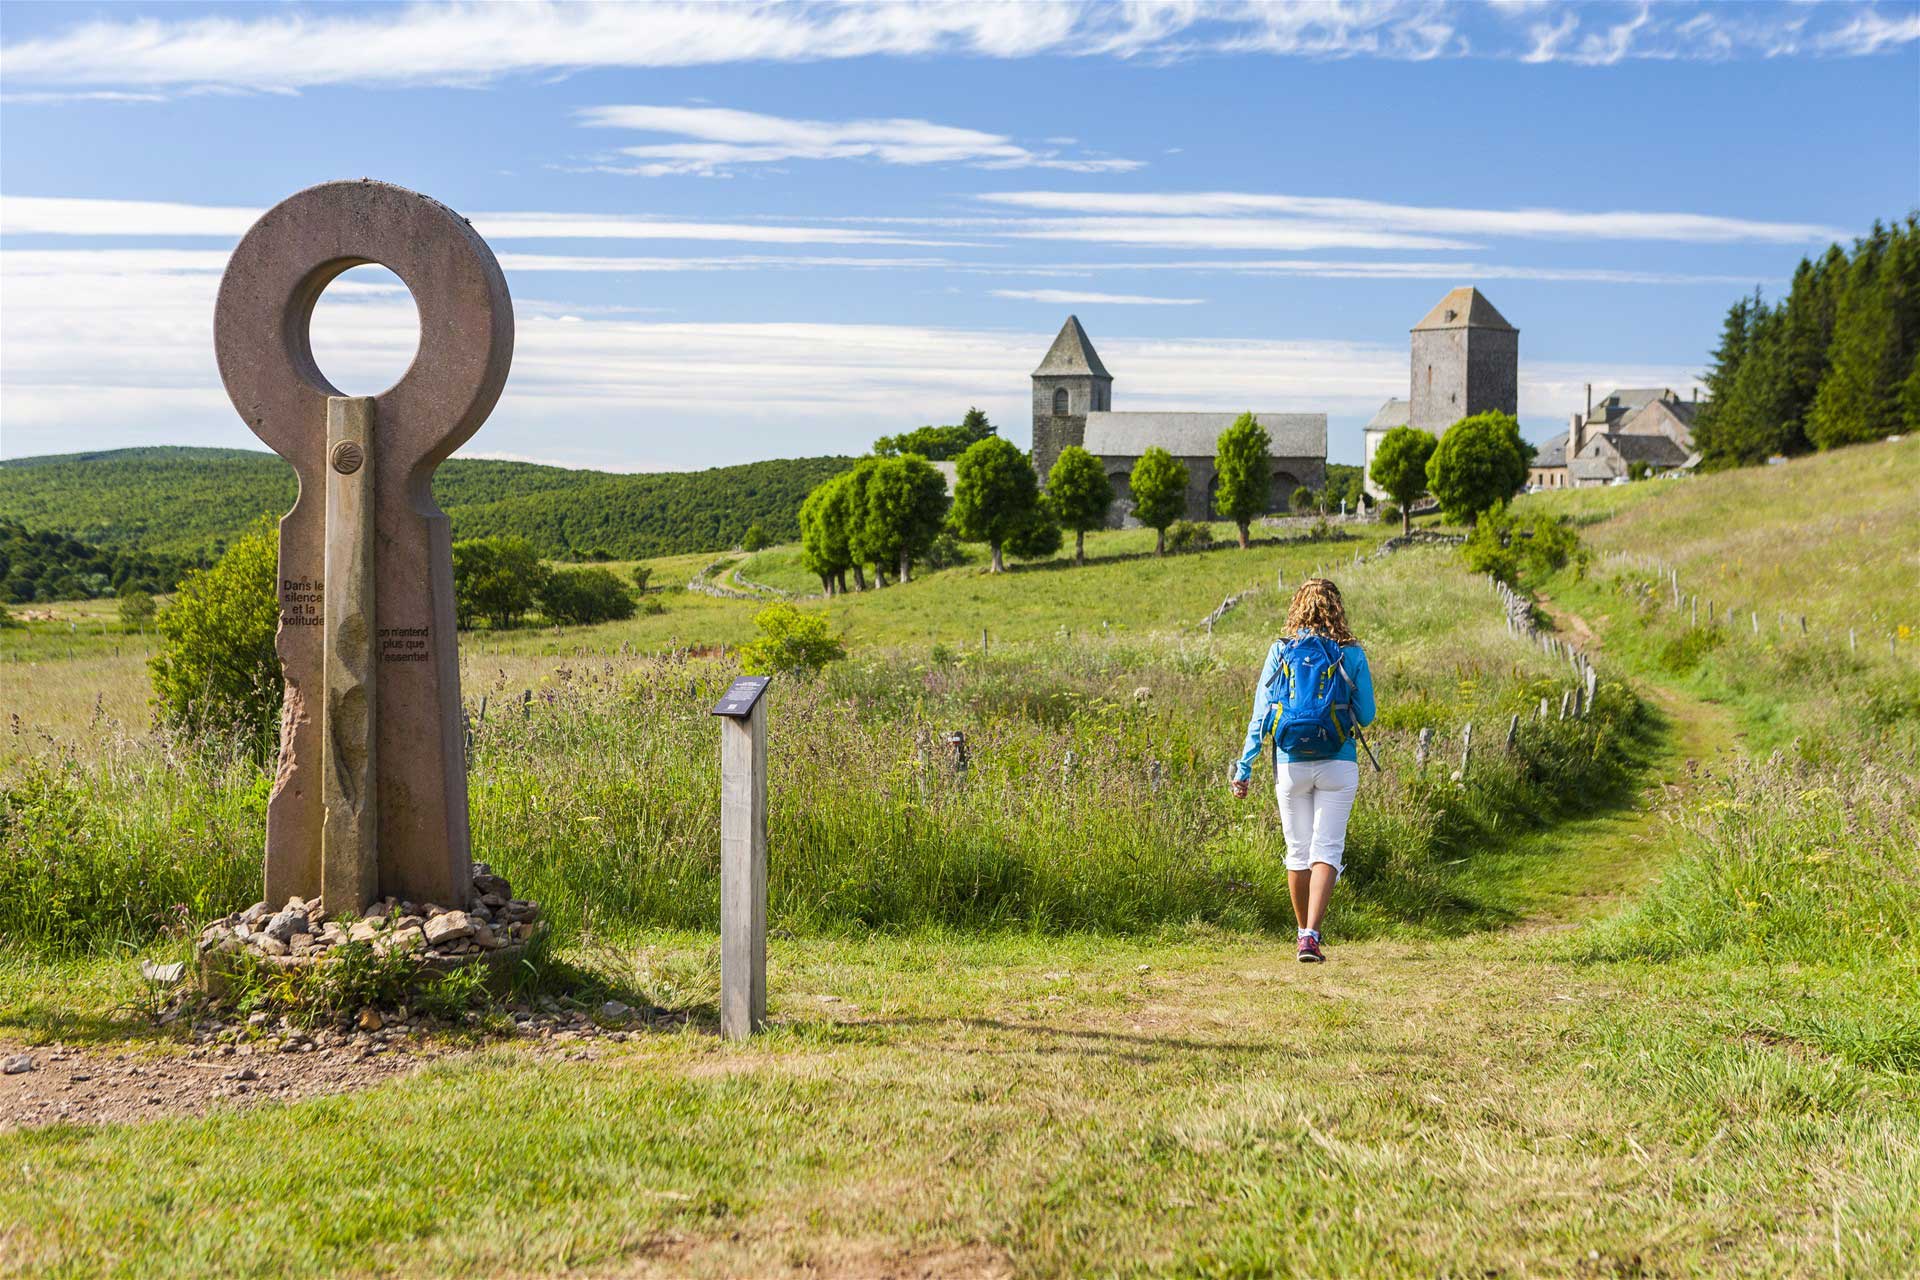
column 1069, row 384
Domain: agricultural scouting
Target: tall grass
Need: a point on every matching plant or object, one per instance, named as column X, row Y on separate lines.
column 600, row 796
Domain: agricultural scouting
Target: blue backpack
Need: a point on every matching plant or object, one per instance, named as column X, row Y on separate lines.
column 1312, row 699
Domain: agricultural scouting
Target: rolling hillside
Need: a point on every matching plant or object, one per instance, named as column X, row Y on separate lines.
column 181, row 501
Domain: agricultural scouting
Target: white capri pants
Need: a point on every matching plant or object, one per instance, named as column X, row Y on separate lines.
column 1316, row 799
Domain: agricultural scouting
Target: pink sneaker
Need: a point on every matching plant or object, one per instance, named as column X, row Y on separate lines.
column 1310, row 952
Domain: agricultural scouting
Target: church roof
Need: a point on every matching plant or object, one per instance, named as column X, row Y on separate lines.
column 1464, row 308
column 1193, row 435
column 1072, row 353
column 1392, row 414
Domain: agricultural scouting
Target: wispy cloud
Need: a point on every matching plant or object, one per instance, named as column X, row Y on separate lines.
column 478, row 43
column 715, row 140
column 1071, row 297
column 1234, row 212
column 633, row 387
column 65, row 216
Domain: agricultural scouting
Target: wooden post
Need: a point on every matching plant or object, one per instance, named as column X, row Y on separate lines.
column 957, row 754
column 1565, row 698
column 1593, row 681
column 1803, row 624
column 350, row 829
column 743, row 872
column 1755, row 615
column 1420, row 748
column 1853, row 645
column 1543, row 706
column 1693, row 619
column 1466, row 747
column 1066, row 772
column 1513, row 730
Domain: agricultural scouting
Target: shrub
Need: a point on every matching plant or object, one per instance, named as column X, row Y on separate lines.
column 756, row 538
column 791, row 641
column 946, row 551
column 1189, row 535
column 642, row 574
column 579, row 597
column 217, row 673
column 495, row 578
column 1303, row 499
column 1507, row 547
column 1389, row 512
column 136, row 609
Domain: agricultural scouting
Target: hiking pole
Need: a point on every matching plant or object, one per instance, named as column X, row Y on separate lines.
column 1362, row 740
column 1358, row 737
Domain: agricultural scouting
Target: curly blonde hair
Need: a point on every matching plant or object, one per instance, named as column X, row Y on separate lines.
column 1317, row 607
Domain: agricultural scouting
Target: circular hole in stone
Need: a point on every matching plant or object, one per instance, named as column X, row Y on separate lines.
column 364, row 331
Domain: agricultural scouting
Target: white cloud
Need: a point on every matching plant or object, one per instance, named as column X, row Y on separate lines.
column 478, row 43
column 633, row 391
column 722, row 138
column 1233, row 208
column 1328, row 269
column 63, row 216
column 1270, row 234
column 1070, row 297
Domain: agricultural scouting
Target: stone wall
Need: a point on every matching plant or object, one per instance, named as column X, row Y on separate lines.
column 1493, row 371
column 1288, row 475
column 1438, row 379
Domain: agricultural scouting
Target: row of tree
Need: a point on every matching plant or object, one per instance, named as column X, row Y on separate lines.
column 1837, row 362
column 1478, row 465
column 502, row 579
column 892, row 511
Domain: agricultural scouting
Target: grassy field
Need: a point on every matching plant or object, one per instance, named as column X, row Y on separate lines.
column 1632, row 1001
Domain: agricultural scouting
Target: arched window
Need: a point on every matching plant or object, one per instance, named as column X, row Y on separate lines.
column 1059, row 399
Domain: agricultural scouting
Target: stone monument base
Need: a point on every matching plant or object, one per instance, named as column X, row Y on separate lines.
column 492, row 928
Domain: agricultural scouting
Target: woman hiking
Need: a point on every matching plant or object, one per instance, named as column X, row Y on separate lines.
column 1315, row 693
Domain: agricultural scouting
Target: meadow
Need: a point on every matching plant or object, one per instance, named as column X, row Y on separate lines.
column 1633, row 998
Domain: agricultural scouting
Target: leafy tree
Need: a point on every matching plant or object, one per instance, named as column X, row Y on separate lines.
column 1159, row 486
column 1304, row 499
column 937, row 444
column 791, row 641
column 1039, row 538
column 860, row 550
column 1480, row 463
column 579, row 597
column 1243, row 461
column 1345, row 483
column 1081, row 495
column 217, row 672
column 756, row 538
column 906, row 505
column 994, row 495
column 642, row 574
column 136, row 609
column 1400, row 468
column 495, row 578
column 824, row 548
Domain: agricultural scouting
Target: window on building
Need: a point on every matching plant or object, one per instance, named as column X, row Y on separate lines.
column 1060, row 400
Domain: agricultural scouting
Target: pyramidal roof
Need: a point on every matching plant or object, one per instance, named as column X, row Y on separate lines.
column 1072, row 352
column 1464, row 308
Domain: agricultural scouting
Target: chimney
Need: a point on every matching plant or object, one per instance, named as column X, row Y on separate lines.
column 1589, row 399
column 1696, row 395
column 1576, row 436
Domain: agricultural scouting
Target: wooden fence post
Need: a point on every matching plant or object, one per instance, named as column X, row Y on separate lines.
column 1466, row 747
column 957, row 753
column 1513, row 730
column 1420, row 748
column 743, row 857
column 1565, row 698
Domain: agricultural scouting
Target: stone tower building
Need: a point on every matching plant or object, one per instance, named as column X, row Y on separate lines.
column 1466, row 360
column 1069, row 384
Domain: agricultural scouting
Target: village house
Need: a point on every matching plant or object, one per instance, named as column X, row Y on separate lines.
column 1643, row 429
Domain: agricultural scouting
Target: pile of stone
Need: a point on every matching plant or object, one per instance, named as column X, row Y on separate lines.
column 492, row 924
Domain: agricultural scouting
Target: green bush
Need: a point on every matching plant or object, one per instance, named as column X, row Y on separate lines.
column 756, row 538
column 1303, row 499
column 137, row 609
column 791, row 641
column 579, row 597
column 1189, row 535
column 217, row 674
column 497, row 579
column 1508, row 547
column 642, row 575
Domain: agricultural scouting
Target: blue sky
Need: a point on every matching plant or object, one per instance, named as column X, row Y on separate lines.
column 760, row 231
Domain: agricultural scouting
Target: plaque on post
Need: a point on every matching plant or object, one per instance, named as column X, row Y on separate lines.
column 743, row 857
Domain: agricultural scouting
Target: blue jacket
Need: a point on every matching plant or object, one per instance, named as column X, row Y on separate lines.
column 1352, row 658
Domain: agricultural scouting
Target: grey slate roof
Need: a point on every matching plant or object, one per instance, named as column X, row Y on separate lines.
column 1464, row 308
column 1656, row 449
column 1072, row 353
column 1393, row 413
column 1193, row 435
column 1553, row 453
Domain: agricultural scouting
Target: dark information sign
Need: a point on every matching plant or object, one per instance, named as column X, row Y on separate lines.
column 741, row 695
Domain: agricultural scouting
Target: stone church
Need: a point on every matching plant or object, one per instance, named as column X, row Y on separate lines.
column 1073, row 404
column 1465, row 360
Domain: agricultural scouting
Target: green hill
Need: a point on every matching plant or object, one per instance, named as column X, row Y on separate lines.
column 183, row 501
